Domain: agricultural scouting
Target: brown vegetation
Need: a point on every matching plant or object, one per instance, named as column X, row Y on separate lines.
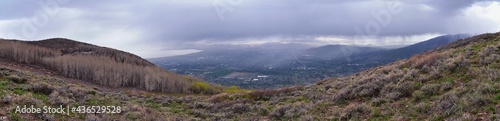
column 99, row 65
column 459, row 81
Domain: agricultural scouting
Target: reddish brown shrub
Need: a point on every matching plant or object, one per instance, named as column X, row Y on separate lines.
column 267, row 94
column 430, row 60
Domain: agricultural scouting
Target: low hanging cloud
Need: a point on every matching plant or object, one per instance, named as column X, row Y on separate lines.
column 149, row 25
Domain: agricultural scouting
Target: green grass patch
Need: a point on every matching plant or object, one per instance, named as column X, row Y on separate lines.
column 234, row 89
column 15, row 117
column 447, row 79
column 496, row 100
column 298, row 99
column 178, row 108
column 41, row 96
column 3, row 84
column 93, row 102
column 20, row 91
column 153, row 104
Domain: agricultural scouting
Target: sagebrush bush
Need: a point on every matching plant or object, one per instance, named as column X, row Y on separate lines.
column 430, row 89
column 485, row 88
column 289, row 111
column 430, row 60
column 240, row 108
column 418, row 95
column 378, row 101
column 42, row 88
column 17, row 79
column 423, row 108
column 355, row 111
column 475, row 100
column 6, row 99
column 448, row 104
column 57, row 99
column 393, row 95
column 219, row 98
column 26, row 100
column 267, row 94
column 446, row 86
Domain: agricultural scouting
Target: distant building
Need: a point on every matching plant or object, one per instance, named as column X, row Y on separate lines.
column 259, row 76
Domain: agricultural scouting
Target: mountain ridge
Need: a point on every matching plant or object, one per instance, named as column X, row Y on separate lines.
column 100, row 65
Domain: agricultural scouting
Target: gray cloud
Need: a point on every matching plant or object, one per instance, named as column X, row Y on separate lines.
column 131, row 24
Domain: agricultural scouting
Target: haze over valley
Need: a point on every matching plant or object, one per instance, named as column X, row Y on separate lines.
column 281, row 65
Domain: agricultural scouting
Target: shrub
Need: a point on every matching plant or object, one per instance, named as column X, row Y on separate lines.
column 306, row 118
column 6, row 99
column 446, row 86
column 233, row 89
column 77, row 93
column 262, row 111
column 420, row 60
column 378, row 101
column 57, row 99
column 418, row 96
column 423, row 107
column 435, row 74
column 485, row 88
column 26, row 100
column 488, row 51
column 430, row 89
column 489, row 59
column 200, row 87
column 396, row 91
column 342, row 96
column 42, row 88
column 279, row 112
column 240, row 108
column 17, row 79
column 289, row 111
column 447, row 104
column 267, row 94
column 393, row 95
column 475, row 100
column 355, row 111
column 219, row 98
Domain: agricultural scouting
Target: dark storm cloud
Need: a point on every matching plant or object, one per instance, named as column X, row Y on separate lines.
column 254, row 19
column 173, row 23
column 451, row 7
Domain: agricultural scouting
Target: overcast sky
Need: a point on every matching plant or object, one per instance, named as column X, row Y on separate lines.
column 154, row 28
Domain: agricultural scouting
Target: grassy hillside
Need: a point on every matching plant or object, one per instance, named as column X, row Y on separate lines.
column 459, row 81
column 99, row 65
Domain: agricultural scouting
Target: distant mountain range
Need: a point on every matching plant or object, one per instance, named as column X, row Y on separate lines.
column 289, row 64
column 387, row 56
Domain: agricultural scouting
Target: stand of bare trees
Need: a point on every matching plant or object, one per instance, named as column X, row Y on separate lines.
column 99, row 65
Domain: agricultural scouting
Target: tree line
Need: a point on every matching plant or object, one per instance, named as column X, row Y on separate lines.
column 100, row 65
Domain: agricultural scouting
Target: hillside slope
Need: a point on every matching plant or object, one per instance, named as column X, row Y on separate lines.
column 459, row 81
column 98, row 65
